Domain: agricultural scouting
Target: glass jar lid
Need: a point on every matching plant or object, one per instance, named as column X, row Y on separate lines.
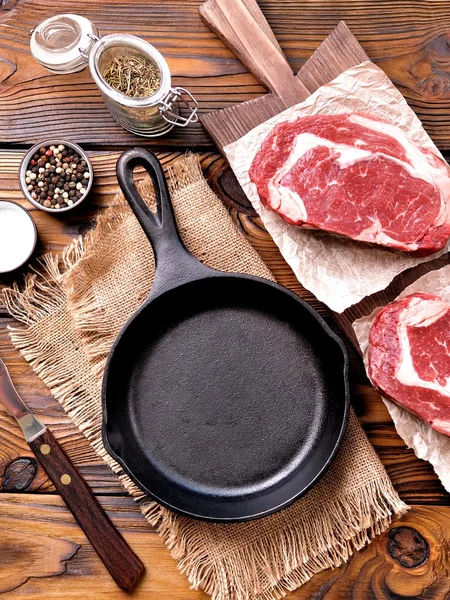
column 61, row 43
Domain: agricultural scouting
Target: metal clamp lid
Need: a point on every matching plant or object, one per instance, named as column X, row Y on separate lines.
column 178, row 94
column 85, row 51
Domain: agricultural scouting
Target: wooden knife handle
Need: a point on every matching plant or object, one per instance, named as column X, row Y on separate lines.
column 120, row 560
column 241, row 25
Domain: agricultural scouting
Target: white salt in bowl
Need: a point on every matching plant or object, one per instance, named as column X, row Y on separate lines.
column 18, row 236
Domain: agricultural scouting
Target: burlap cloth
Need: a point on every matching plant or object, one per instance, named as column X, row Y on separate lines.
column 71, row 310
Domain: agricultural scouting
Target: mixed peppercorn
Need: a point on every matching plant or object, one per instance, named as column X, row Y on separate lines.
column 57, row 176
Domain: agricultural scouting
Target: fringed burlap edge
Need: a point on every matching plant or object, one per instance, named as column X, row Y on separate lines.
column 306, row 550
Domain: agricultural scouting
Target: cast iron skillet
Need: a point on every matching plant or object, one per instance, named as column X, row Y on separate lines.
column 225, row 396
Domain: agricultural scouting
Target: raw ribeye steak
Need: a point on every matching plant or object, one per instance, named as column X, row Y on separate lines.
column 358, row 177
column 409, row 356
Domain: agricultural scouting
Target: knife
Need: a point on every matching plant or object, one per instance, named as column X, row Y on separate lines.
column 123, row 564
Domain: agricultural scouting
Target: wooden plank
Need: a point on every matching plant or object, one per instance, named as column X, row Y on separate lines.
column 339, row 51
column 385, row 569
column 253, row 7
column 407, row 39
column 231, row 123
column 413, row 478
column 240, row 29
column 45, row 555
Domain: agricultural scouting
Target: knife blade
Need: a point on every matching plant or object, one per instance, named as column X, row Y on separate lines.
column 30, row 425
column 122, row 563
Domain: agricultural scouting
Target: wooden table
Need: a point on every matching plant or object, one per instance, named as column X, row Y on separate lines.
column 43, row 553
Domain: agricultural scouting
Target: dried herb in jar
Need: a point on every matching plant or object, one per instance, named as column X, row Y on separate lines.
column 134, row 76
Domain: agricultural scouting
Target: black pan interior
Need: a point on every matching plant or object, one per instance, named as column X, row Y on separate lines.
column 225, row 398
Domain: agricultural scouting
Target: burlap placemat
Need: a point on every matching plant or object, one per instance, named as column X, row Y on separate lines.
column 73, row 307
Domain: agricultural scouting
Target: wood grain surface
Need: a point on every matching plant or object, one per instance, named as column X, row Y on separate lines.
column 244, row 30
column 43, row 553
column 339, row 51
column 122, row 563
column 54, row 561
column 407, row 39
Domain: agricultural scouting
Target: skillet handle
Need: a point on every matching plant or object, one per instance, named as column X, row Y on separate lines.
column 160, row 228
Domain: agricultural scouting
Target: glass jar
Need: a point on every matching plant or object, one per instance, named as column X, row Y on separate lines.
column 67, row 43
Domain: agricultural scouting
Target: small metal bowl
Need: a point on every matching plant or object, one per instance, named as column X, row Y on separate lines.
column 24, row 167
column 29, row 242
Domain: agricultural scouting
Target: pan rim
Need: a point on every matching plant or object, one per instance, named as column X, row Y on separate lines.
column 338, row 441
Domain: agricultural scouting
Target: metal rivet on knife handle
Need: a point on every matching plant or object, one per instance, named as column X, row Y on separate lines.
column 45, row 449
column 66, row 479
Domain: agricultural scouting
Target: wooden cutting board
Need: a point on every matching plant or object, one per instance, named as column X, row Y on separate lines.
column 241, row 25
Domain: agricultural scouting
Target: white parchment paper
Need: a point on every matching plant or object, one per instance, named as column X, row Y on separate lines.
column 339, row 272
column 427, row 443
